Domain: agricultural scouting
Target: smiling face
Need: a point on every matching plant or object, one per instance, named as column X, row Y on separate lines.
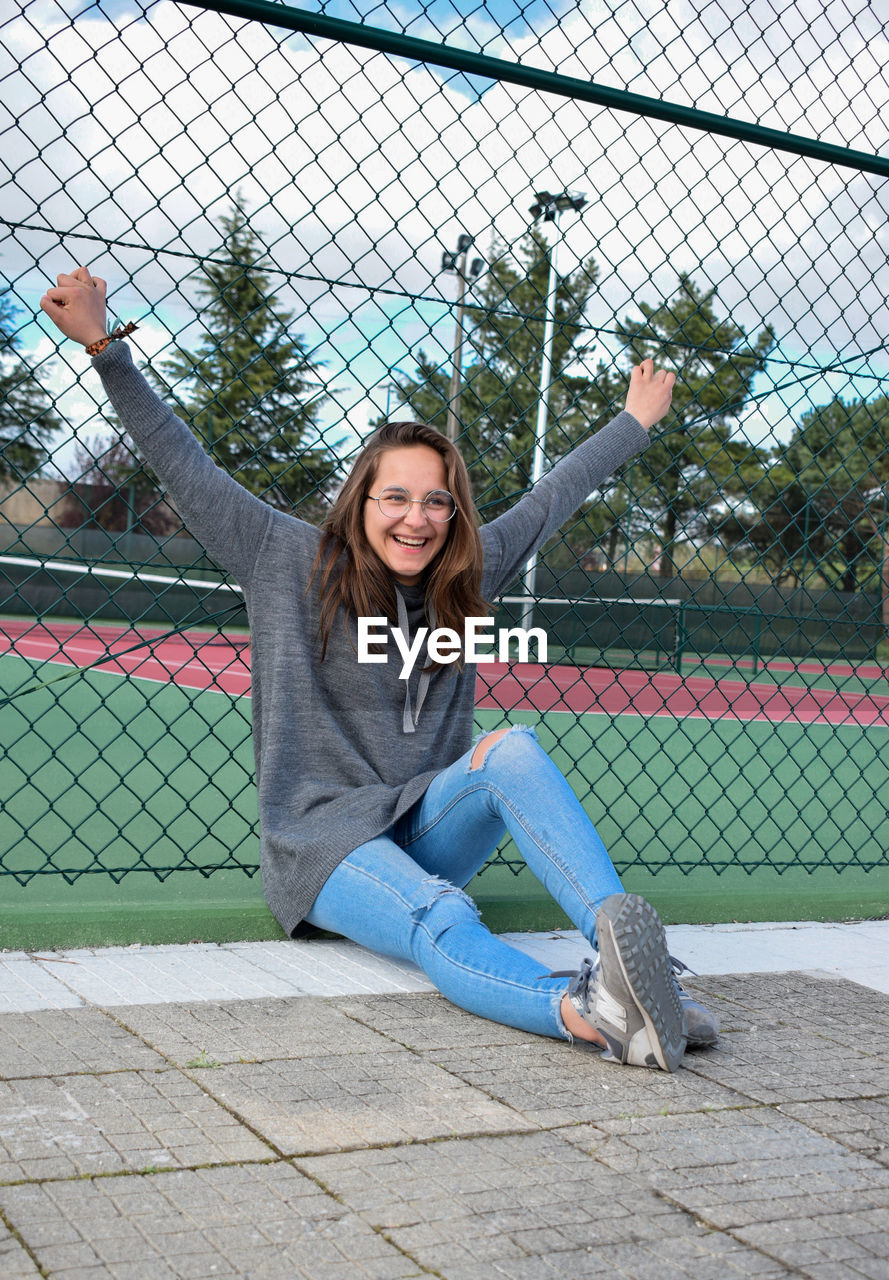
column 409, row 544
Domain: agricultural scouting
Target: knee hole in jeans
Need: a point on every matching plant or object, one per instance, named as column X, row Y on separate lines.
column 440, row 905
column 485, row 744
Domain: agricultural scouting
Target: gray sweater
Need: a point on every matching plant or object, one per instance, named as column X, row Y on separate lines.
column 334, row 765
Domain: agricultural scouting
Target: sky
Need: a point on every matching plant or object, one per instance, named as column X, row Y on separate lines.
column 124, row 134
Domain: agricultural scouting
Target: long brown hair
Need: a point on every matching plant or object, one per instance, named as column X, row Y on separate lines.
column 352, row 574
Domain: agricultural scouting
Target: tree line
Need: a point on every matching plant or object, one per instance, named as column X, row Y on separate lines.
column 812, row 508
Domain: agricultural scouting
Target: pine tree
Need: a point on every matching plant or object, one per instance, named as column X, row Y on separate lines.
column 693, row 463
column 501, row 379
column 821, row 508
column 250, row 390
column 27, row 422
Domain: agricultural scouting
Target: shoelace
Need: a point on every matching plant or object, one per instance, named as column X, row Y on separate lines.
column 679, row 968
column 589, row 967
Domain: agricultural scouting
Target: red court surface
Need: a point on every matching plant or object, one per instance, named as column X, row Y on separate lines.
column 194, row 659
column 208, row 660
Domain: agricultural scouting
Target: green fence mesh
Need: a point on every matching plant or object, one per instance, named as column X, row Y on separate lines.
column 480, row 215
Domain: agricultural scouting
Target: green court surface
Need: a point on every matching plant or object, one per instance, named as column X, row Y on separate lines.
column 138, row 798
column 104, row 772
column 864, row 677
column 732, row 820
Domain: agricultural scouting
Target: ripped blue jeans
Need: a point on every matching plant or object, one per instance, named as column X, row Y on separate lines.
column 401, row 894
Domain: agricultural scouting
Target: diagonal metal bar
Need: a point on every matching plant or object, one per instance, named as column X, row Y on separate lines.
column 480, row 64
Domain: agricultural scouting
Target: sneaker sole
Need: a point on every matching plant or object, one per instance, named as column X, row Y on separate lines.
column 632, row 938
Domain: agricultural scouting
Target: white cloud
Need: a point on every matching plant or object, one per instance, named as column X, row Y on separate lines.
column 133, row 136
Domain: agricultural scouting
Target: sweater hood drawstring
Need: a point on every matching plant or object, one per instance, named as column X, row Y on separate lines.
column 409, row 718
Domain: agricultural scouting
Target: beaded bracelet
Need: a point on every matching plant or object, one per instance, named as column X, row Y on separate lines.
column 95, row 348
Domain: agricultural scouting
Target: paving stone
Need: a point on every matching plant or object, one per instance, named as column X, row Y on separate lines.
column 56, row 1042
column 790, row 1063
column 564, row 1214
column 712, row 1146
column 553, row 1083
column 859, row 1123
column 811, row 1244
column 833, row 1271
column 428, row 1021
column 328, row 1104
column 771, row 1181
column 25, row 985
column 250, row 1030
column 332, row 967
column 725, row 997
column 765, row 1000
column 15, row 1262
column 763, row 1157
column 109, row 976
column 262, row 1221
column 66, row 1126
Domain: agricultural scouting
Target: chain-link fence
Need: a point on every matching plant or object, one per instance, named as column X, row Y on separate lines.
column 480, row 216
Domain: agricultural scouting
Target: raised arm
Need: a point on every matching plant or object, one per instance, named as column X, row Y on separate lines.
column 229, row 521
column 511, row 539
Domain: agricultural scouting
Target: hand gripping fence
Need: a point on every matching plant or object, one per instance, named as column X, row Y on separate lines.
column 481, row 220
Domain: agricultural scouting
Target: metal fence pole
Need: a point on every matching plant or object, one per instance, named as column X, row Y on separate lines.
column 550, row 207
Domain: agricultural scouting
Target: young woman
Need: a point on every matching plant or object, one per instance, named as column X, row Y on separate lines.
column 375, row 809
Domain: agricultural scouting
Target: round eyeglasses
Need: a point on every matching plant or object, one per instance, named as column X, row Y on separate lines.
column 394, row 502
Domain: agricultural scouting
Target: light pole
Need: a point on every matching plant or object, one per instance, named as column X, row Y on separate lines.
column 390, row 387
column 456, row 262
column 393, row 389
column 806, row 536
column 884, row 550
column 628, row 522
column 550, row 207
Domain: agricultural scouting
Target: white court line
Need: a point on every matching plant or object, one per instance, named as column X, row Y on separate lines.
column 117, row 666
column 126, row 575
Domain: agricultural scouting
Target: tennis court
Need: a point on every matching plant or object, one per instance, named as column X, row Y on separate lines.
column 129, row 749
column 656, row 632
column 807, row 693
column 716, row 681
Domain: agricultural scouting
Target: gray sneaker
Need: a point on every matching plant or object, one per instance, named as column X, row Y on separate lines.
column 701, row 1026
column 630, row 994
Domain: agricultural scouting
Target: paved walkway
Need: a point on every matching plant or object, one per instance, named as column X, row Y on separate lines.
column 307, row 1110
